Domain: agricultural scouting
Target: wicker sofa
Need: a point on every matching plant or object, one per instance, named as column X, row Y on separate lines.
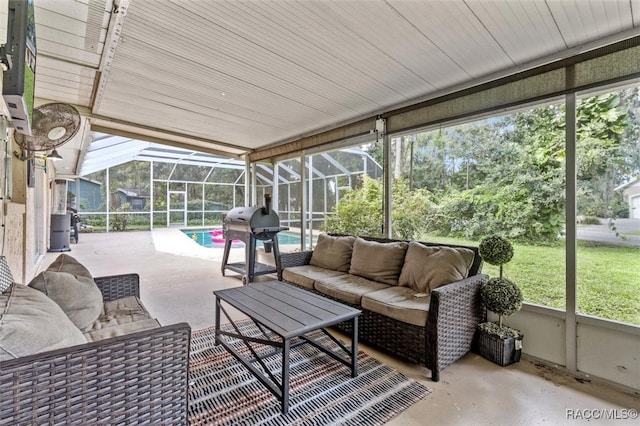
column 420, row 301
column 124, row 368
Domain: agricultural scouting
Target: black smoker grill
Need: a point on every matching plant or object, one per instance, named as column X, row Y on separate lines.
column 250, row 224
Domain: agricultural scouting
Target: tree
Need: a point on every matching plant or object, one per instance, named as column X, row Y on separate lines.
column 360, row 212
column 506, row 174
column 601, row 158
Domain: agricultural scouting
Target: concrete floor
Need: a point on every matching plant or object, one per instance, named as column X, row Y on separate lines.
column 178, row 277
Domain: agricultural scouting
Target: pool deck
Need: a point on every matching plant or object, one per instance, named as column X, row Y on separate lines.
column 177, row 275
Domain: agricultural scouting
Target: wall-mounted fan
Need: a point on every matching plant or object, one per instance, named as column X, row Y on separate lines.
column 53, row 125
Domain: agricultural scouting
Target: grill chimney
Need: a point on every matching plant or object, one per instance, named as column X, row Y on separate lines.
column 266, row 210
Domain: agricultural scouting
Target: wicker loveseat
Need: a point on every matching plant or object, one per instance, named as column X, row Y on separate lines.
column 420, row 301
column 124, row 368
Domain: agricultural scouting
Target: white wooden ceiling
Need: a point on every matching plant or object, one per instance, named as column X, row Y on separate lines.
column 236, row 76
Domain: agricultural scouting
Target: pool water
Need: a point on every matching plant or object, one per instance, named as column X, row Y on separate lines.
column 203, row 237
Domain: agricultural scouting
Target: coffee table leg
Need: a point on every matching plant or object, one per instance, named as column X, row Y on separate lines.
column 354, row 348
column 217, row 341
column 285, row 377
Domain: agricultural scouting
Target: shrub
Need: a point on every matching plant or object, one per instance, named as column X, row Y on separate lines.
column 499, row 295
column 502, row 297
column 496, row 250
column 359, row 212
column 588, row 220
column 121, row 218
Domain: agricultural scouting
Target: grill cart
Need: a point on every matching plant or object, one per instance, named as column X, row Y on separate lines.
column 251, row 224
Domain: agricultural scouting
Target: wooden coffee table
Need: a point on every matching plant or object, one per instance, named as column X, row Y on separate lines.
column 288, row 312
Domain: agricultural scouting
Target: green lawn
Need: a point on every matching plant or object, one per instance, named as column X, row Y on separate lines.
column 608, row 277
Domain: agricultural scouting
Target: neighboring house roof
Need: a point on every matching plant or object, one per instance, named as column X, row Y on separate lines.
column 628, row 184
column 94, row 182
column 127, row 192
column 131, row 192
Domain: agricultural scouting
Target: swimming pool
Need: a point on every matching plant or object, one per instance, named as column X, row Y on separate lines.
column 204, row 238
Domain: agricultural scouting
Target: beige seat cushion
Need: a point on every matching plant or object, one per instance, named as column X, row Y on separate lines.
column 121, row 311
column 121, row 316
column 348, row 288
column 121, row 330
column 125, row 305
column 333, row 252
column 30, row 322
column 77, row 295
column 426, row 268
column 306, row 275
column 66, row 263
column 380, row 262
column 400, row 303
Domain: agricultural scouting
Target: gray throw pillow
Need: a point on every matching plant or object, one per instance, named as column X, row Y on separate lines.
column 381, row 262
column 333, row 252
column 6, row 279
column 30, row 322
column 78, row 296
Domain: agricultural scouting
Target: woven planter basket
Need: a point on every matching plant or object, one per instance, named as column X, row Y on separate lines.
column 502, row 351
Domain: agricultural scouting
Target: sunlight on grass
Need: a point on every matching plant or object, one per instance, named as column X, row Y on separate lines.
column 609, row 282
column 539, row 272
column 608, row 277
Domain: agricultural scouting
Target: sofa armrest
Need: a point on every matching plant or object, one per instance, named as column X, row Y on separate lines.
column 298, row 258
column 455, row 311
column 136, row 378
column 118, row 286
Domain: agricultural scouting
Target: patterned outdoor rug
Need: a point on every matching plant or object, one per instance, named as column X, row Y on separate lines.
column 223, row 392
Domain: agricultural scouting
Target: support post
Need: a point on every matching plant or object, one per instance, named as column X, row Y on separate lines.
column 381, row 125
column 571, row 235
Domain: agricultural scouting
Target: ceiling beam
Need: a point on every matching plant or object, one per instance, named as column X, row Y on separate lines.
column 197, row 145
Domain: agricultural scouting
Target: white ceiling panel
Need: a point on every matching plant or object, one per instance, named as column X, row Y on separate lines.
column 504, row 20
column 580, row 20
column 336, row 45
column 635, row 11
column 261, row 55
column 65, row 9
column 452, row 31
column 241, row 75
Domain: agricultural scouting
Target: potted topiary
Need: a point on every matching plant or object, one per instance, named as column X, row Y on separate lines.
column 494, row 340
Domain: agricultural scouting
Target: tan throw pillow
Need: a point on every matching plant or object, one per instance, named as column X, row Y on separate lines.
column 333, row 252
column 426, row 268
column 381, row 262
column 66, row 263
column 30, row 322
column 78, row 296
